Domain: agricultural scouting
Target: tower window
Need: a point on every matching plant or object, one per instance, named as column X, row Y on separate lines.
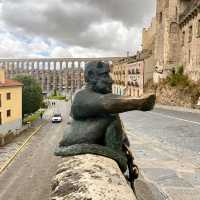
column 190, row 34
column 160, row 17
column 183, row 38
column 198, row 28
column 189, row 56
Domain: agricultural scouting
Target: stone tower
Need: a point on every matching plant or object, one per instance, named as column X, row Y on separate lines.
column 167, row 45
column 177, row 37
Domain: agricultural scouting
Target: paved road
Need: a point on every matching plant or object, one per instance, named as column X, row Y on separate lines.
column 28, row 178
column 177, row 128
column 166, row 145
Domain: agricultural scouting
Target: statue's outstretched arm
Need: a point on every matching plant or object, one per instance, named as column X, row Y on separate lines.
column 109, row 104
column 118, row 104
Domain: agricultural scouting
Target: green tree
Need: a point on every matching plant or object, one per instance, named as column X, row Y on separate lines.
column 31, row 94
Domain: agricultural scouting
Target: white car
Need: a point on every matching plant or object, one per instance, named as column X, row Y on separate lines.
column 56, row 118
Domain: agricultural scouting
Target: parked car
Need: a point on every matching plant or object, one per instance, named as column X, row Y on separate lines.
column 56, row 118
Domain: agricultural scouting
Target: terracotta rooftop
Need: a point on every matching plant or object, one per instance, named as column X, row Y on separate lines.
column 10, row 83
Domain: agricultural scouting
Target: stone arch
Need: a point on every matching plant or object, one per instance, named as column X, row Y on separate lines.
column 45, row 65
column 65, row 66
column 70, row 64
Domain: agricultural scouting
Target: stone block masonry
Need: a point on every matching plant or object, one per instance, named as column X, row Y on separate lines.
column 90, row 177
column 175, row 36
column 61, row 74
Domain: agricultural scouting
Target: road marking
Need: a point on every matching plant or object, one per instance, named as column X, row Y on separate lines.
column 170, row 117
column 20, row 148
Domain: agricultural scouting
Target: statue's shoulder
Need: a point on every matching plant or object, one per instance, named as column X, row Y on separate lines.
column 85, row 95
column 81, row 93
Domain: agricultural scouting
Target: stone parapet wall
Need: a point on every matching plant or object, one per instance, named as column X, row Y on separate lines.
column 171, row 96
column 9, row 131
column 90, row 177
column 10, row 127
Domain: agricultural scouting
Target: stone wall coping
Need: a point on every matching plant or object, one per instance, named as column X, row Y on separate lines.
column 90, row 177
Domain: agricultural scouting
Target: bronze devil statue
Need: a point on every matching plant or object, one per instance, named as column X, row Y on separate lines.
column 96, row 127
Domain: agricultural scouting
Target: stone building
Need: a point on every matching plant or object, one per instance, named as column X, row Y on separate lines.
column 176, row 41
column 119, row 76
column 189, row 22
column 135, row 82
column 148, row 36
column 131, row 74
column 10, row 106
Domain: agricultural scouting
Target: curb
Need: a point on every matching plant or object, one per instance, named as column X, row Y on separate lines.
column 20, row 148
column 177, row 108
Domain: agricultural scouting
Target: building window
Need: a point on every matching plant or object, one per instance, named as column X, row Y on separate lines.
column 190, row 34
column 160, row 17
column 189, row 56
column 138, row 92
column 8, row 113
column 173, row 27
column 183, row 38
column 8, row 96
column 198, row 28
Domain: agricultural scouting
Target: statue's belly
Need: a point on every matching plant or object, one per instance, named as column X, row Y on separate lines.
column 87, row 131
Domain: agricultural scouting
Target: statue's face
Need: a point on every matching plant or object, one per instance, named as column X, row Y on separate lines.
column 103, row 80
column 99, row 78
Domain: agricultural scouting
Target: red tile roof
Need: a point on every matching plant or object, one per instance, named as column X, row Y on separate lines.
column 10, row 83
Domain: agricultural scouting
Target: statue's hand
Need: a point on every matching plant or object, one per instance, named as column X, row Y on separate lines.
column 148, row 102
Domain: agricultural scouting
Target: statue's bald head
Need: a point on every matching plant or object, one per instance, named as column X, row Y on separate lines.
column 97, row 75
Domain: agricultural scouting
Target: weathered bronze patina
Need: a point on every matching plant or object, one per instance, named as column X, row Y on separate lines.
column 96, row 127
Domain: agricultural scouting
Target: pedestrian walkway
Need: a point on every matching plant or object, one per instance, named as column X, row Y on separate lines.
column 8, row 150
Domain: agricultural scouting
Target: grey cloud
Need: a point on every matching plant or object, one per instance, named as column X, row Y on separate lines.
column 70, row 21
column 130, row 12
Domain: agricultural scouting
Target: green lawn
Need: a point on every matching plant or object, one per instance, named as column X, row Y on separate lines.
column 33, row 117
column 57, row 97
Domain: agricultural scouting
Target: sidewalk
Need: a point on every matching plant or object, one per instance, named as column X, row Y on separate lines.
column 168, row 173
column 9, row 149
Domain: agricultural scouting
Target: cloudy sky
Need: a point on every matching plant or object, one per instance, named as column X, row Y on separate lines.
column 72, row 28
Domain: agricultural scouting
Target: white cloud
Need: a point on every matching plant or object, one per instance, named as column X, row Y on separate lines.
column 38, row 45
column 72, row 28
column 60, row 52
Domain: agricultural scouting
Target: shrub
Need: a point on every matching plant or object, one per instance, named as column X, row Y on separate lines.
column 178, row 79
column 183, row 83
column 31, row 94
